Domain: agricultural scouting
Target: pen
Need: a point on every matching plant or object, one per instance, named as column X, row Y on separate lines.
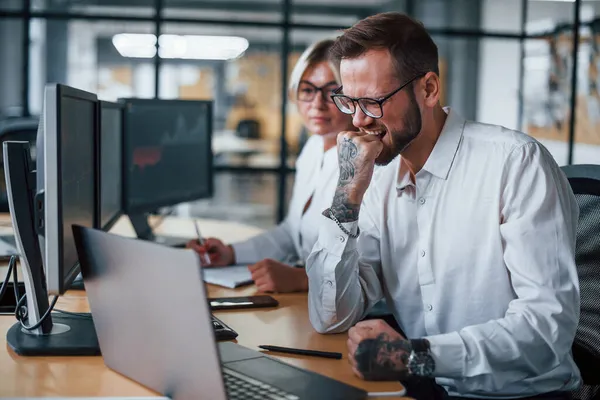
column 314, row 353
column 201, row 242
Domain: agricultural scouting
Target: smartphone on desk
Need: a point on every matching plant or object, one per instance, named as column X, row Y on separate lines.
column 232, row 303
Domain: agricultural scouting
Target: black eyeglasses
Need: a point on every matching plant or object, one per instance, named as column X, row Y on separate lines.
column 371, row 107
column 307, row 91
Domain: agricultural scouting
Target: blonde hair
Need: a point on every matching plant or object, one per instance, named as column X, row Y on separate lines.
column 315, row 53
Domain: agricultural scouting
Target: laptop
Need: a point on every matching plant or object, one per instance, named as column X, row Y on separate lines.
column 167, row 342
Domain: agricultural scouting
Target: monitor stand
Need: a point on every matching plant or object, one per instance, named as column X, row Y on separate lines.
column 144, row 231
column 56, row 336
column 77, row 283
column 69, row 336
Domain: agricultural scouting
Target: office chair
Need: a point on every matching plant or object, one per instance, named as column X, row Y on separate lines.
column 585, row 182
column 15, row 129
column 248, row 129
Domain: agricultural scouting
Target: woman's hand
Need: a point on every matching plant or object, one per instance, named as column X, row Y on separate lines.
column 219, row 253
column 273, row 276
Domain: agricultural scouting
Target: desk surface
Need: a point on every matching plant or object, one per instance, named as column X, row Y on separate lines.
column 286, row 325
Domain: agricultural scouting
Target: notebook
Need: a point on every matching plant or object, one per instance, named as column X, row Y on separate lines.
column 230, row 277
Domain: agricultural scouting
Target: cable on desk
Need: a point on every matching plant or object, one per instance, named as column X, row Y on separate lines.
column 20, row 309
column 21, row 313
column 13, row 259
column 11, row 267
column 399, row 393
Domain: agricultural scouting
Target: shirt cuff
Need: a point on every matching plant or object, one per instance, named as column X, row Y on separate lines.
column 245, row 253
column 335, row 240
column 448, row 352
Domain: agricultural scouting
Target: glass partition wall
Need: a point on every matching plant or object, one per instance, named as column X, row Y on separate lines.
column 508, row 62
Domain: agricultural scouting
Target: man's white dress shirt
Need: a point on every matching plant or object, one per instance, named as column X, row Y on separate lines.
column 293, row 239
column 477, row 256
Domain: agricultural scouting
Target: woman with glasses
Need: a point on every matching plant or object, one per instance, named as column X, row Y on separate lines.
column 272, row 255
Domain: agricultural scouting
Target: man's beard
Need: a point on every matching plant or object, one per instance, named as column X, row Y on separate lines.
column 401, row 139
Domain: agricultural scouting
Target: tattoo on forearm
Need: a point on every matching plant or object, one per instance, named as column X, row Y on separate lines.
column 341, row 207
column 383, row 358
column 347, row 155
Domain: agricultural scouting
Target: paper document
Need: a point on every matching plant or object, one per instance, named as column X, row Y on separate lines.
column 230, row 277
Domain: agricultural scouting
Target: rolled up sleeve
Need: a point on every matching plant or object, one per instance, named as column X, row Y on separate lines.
column 343, row 286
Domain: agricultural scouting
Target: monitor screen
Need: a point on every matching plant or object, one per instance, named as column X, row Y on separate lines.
column 110, row 163
column 66, row 175
column 77, row 132
column 168, row 153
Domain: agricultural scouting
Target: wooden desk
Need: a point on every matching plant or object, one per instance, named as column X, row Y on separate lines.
column 286, row 325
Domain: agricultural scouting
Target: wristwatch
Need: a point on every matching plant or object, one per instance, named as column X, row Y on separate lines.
column 420, row 361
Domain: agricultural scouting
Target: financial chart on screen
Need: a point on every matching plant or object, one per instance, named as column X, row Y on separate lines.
column 168, row 153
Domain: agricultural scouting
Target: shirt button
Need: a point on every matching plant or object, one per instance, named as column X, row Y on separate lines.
column 329, row 283
column 422, row 253
column 341, row 239
column 429, row 307
column 422, row 200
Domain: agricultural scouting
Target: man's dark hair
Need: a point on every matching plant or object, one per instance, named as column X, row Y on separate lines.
column 407, row 40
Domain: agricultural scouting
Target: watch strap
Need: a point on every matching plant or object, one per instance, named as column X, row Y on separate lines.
column 420, row 345
column 420, row 361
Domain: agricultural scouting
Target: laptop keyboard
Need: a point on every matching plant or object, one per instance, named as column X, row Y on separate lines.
column 241, row 387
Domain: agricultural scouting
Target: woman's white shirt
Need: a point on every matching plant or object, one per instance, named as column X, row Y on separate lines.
column 292, row 240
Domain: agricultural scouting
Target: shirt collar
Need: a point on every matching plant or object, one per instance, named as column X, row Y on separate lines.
column 403, row 179
column 440, row 160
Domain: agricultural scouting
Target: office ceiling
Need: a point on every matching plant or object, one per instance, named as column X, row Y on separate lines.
column 296, row 2
column 311, row 12
column 107, row 29
column 249, row 5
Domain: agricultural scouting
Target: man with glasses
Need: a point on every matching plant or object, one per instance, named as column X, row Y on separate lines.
column 467, row 230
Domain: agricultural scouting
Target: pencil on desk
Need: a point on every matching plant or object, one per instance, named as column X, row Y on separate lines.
column 303, row 352
column 201, row 242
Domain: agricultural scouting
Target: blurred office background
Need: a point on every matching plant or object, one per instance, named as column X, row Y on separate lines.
column 525, row 64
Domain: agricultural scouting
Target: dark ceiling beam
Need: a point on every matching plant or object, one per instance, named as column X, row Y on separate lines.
column 317, row 9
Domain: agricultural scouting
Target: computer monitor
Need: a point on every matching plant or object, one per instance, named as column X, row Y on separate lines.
column 66, row 178
column 65, row 195
column 17, row 129
column 168, row 158
column 22, row 130
column 110, row 162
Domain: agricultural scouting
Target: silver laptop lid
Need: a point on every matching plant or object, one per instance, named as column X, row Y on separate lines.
column 151, row 315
